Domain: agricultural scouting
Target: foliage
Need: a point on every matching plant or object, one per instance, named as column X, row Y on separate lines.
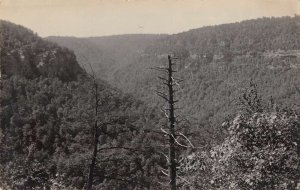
column 215, row 62
column 46, row 121
column 46, row 136
column 25, row 54
column 260, row 152
column 47, row 109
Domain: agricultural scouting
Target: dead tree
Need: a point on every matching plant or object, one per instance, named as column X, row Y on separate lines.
column 173, row 133
column 99, row 127
column 169, row 82
column 172, row 153
column 95, row 137
column 95, row 127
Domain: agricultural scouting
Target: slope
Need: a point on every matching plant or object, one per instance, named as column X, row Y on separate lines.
column 107, row 54
column 25, row 54
column 217, row 63
column 46, row 117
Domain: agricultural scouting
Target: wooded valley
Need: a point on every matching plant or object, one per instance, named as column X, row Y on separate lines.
column 238, row 116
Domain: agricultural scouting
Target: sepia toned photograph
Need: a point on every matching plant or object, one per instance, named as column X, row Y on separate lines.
column 149, row 94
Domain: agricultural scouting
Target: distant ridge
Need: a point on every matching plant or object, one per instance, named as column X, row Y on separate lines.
column 216, row 63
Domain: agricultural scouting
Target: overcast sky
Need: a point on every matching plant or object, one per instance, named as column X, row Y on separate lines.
column 109, row 17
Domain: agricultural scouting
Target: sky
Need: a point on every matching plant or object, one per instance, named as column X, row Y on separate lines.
column 83, row 18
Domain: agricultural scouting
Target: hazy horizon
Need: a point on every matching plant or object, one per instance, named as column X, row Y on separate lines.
column 78, row 18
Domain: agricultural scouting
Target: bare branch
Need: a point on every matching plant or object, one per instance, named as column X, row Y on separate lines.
column 163, row 79
column 166, row 174
column 164, row 131
column 160, row 69
column 163, row 95
column 175, row 101
column 175, row 108
column 178, row 143
column 167, row 116
column 167, row 158
column 182, row 135
column 184, row 179
column 177, row 79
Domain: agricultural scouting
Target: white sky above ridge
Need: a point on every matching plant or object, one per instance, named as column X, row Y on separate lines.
column 84, row 18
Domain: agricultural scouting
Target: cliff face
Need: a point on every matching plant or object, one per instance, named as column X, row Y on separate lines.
column 25, row 54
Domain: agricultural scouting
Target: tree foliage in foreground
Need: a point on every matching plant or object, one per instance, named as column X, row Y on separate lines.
column 262, row 151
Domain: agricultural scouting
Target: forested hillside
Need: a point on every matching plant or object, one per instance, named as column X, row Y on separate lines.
column 47, row 117
column 237, row 129
column 215, row 62
column 25, row 54
column 107, row 54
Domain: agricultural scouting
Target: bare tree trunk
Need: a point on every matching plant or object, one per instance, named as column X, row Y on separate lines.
column 170, row 81
column 96, row 140
column 172, row 152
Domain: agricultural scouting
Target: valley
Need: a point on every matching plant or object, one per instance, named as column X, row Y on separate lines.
column 66, row 101
column 216, row 64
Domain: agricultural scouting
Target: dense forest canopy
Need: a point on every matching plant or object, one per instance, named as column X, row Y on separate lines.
column 215, row 62
column 46, row 117
column 24, row 53
column 243, row 136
